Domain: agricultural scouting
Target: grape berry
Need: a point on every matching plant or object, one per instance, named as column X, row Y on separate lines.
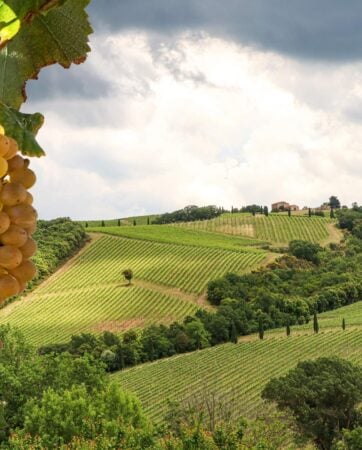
column 17, row 220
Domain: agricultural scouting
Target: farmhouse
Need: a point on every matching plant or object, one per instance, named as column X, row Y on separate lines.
column 283, row 206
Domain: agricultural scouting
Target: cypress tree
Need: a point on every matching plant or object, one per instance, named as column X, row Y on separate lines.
column 253, row 212
column 134, row 222
column 289, row 212
column 148, row 220
column 343, row 324
column 315, row 323
column 266, row 211
column 309, row 212
column 332, row 216
column 261, row 329
column 119, row 222
column 103, row 224
column 288, row 329
column 86, row 224
column 233, row 333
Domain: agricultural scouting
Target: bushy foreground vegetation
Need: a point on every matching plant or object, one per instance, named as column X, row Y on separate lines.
column 50, row 402
column 58, row 401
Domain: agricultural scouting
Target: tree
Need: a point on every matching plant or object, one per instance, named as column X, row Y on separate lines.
column 261, row 329
column 128, row 275
column 119, row 222
column 331, row 214
column 323, row 396
column 103, row 224
column 309, row 212
column 288, row 329
column 134, row 222
column 86, row 224
column 305, row 250
column 334, row 203
column 266, row 211
column 289, row 212
column 343, row 324
column 148, row 220
column 315, row 323
column 233, row 333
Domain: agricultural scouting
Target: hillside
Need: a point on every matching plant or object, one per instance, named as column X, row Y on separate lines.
column 238, row 372
column 278, row 229
column 89, row 293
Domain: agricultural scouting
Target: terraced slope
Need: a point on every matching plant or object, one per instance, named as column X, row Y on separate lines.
column 179, row 235
column 239, row 372
column 89, row 293
column 276, row 228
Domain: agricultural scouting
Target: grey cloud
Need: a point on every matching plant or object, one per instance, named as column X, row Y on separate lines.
column 76, row 82
column 313, row 29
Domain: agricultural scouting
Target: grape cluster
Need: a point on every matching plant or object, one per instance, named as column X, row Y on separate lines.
column 17, row 220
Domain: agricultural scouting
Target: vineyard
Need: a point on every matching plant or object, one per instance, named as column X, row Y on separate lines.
column 276, row 228
column 237, row 373
column 89, row 294
column 184, row 267
column 178, row 235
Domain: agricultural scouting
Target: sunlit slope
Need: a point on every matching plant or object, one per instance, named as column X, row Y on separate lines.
column 184, row 267
column 181, row 235
column 276, row 228
column 89, row 293
column 238, row 372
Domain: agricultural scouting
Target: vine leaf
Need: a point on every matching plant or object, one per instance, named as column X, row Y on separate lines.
column 23, row 128
column 40, row 33
column 60, row 36
column 14, row 12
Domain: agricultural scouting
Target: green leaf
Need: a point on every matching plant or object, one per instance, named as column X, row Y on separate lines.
column 23, row 128
column 9, row 23
column 14, row 12
column 59, row 36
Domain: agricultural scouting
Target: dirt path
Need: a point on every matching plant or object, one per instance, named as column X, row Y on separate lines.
column 335, row 235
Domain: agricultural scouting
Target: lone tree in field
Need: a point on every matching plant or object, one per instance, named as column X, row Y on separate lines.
column 343, row 324
column 119, row 222
column 128, row 275
column 323, row 396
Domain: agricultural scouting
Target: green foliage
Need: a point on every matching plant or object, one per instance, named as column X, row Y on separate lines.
column 322, row 396
column 351, row 440
column 57, row 240
column 305, row 250
column 58, row 417
column 189, row 214
column 58, row 32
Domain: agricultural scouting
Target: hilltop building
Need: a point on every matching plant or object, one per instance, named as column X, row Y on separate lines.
column 284, row 206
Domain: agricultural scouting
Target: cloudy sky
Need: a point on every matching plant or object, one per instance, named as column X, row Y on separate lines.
column 204, row 102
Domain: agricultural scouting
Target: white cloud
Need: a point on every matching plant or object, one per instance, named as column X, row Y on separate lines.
column 198, row 121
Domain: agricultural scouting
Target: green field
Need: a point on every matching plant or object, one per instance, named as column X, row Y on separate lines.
column 89, row 294
column 238, row 372
column 276, row 228
column 176, row 235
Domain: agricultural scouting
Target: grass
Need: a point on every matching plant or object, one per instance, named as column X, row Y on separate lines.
column 177, row 235
column 238, row 372
column 276, row 229
column 88, row 293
